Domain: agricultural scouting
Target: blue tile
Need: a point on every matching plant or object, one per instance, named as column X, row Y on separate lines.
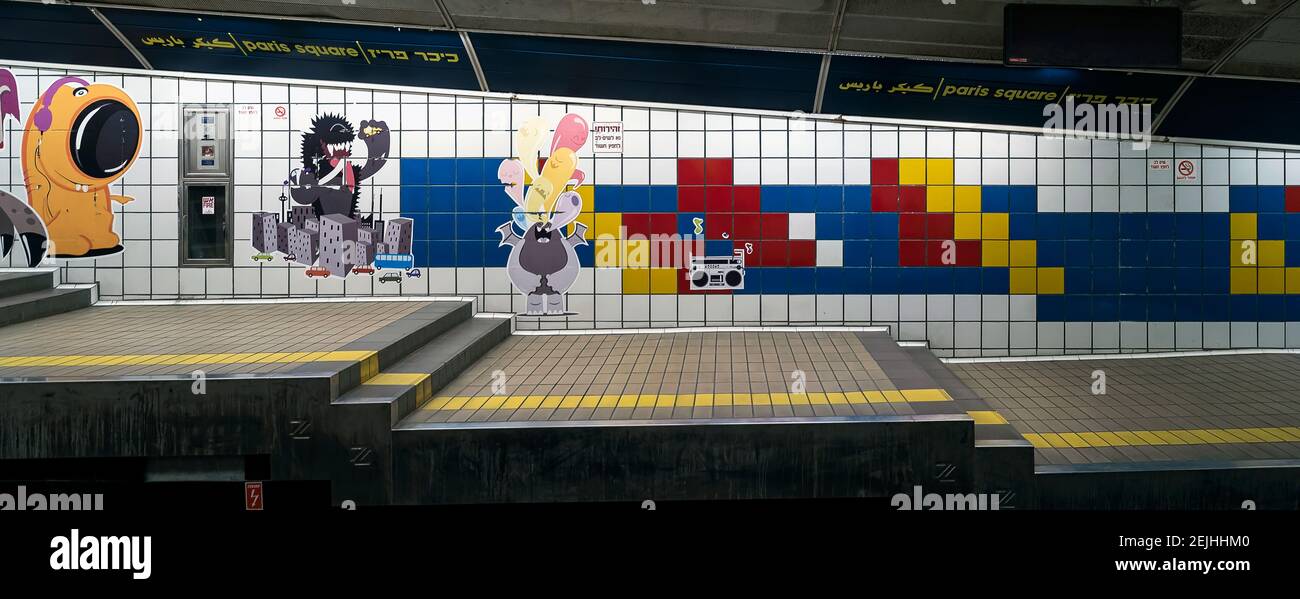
column 884, row 279
column 1078, row 280
column 830, row 280
column 803, row 198
column 1078, row 308
column 1051, row 252
column 442, row 198
column 1160, row 308
column 857, row 252
column 1160, row 253
column 469, row 198
column 1216, row 280
column 420, row 252
column 442, row 254
column 774, row 198
column 1244, row 308
column 1272, row 198
column 884, row 225
column 1293, row 252
column 1216, row 253
column 1132, row 225
column 1105, row 280
column 753, row 281
column 470, row 226
column 1292, row 220
column 1132, row 280
column 1188, row 225
column 686, row 223
column 1105, row 225
column 1105, row 308
column 995, row 198
column 718, row 247
column 884, row 253
column 1216, row 308
column 1105, row 253
column 1077, row 225
column 857, row 225
column 1051, row 308
column 1160, row 225
column 1188, row 280
column 1188, row 308
column 1133, row 307
column 1292, row 307
column 775, row 280
column 1217, row 225
column 1024, row 198
column 1188, row 252
column 1243, row 198
column 967, row 279
column 938, row 279
column 469, row 253
column 636, row 198
column 1272, row 308
column 997, row 281
column 413, row 199
column 496, row 256
column 1051, row 225
column 663, row 198
column 414, row 171
column 913, row 280
column 857, row 198
column 830, row 198
column 803, row 281
column 469, row 171
column 1160, row 280
column 1271, row 226
column 1133, row 253
column 441, row 171
column 1078, row 253
column 1023, row 225
column 857, row 280
column 830, row 225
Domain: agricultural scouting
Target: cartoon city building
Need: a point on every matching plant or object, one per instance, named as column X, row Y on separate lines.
column 397, row 236
column 303, row 244
column 311, row 225
column 338, row 240
column 300, row 215
column 363, row 253
column 265, row 231
column 282, row 237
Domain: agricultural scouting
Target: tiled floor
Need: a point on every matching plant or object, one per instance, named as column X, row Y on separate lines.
column 684, row 376
column 1226, row 407
column 229, row 338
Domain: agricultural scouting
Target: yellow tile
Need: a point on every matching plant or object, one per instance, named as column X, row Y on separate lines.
column 397, row 378
column 1036, row 440
column 636, row 254
column 926, row 395
column 938, row 171
column 1023, row 252
column 780, row 399
column 1093, row 440
column 568, row 401
column 911, row 171
column 995, row 225
column 875, row 397
column 1112, row 439
column 636, row 281
column 1055, row 440
column 663, row 280
column 1051, row 280
column 1244, row 252
column 607, row 252
column 835, row 398
column 966, row 198
column 1243, row 280
column 966, row 226
column 609, row 225
column 1074, row 440
column 995, row 253
column 986, row 417
column 855, row 397
column 1243, row 225
column 1293, row 279
column 938, row 198
column 1272, row 252
column 893, row 396
column 588, row 195
column 1024, row 281
column 589, row 219
column 1272, row 280
column 703, row 399
column 721, row 399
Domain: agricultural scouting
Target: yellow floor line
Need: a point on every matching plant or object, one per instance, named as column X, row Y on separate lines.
column 183, row 359
column 1212, row 436
column 688, row 400
column 986, row 417
column 397, row 378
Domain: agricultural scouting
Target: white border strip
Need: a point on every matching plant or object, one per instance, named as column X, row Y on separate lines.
column 509, row 97
column 705, row 330
column 1132, row 356
column 285, row 300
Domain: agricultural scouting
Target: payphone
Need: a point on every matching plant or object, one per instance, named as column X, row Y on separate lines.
column 207, row 192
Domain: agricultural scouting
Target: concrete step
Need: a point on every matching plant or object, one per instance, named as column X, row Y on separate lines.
column 411, row 382
column 31, row 305
column 16, row 282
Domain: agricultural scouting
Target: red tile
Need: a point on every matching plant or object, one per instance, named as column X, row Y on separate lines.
column 717, row 225
column 911, row 252
column 690, row 171
column 911, row 198
column 884, row 171
column 666, row 253
column 938, row 225
column 969, row 253
column 911, row 226
column 663, row 223
column 803, row 252
column 775, row 225
column 745, row 198
column 745, row 227
column 690, row 199
column 749, row 249
column 884, row 198
column 773, row 253
column 636, row 223
column 934, row 252
column 1293, row 199
column 717, row 199
column 717, row 171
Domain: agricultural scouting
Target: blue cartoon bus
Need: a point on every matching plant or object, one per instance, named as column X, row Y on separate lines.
column 402, row 261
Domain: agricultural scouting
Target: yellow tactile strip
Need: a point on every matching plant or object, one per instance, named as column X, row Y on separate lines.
column 1219, row 436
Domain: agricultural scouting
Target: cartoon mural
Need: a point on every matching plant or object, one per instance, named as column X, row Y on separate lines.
column 324, row 230
column 79, row 139
column 17, row 220
column 543, row 263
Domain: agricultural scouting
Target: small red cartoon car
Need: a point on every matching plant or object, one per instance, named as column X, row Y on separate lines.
column 318, row 271
column 364, row 268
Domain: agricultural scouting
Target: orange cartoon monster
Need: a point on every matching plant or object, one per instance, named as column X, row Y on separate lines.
column 79, row 138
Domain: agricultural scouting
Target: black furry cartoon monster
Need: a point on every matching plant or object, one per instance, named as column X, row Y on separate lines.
column 329, row 181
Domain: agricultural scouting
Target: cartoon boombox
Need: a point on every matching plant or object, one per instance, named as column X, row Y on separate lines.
column 717, row 272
